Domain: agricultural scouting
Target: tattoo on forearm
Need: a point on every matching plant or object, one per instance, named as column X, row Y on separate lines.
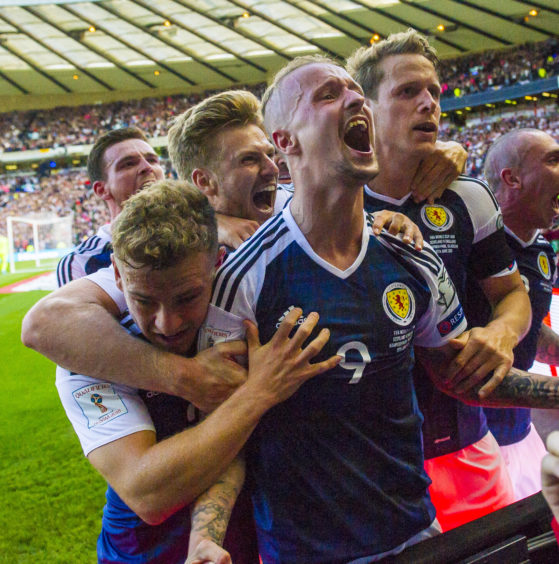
column 522, row 389
column 210, row 515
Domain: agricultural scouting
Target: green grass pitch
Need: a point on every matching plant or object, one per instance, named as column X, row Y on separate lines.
column 51, row 499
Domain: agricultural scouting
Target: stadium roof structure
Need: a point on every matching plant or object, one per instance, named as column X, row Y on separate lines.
column 107, row 49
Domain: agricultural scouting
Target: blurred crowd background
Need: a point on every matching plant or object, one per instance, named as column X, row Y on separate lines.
column 65, row 191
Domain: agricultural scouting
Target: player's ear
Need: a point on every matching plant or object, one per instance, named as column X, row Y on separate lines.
column 118, row 277
column 204, row 180
column 510, row 178
column 285, row 142
column 101, row 190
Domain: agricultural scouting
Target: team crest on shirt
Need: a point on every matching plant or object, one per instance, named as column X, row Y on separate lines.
column 438, row 218
column 399, row 303
column 543, row 265
column 99, row 403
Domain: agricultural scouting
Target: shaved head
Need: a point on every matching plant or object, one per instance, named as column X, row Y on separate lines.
column 508, row 151
column 281, row 96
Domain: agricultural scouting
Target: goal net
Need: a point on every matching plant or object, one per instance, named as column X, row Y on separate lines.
column 37, row 241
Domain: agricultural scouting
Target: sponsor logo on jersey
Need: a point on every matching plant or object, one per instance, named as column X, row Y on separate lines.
column 99, row 403
column 213, row 335
column 453, row 320
column 300, row 321
column 399, row 303
column 438, row 218
column 543, row 265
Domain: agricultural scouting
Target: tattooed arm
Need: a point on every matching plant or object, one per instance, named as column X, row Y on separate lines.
column 548, row 346
column 517, row 389
column 211, row 511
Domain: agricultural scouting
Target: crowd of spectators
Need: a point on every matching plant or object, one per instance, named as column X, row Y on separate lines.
column 496, row 69
column 480, row 133
column 62, row 194
column 66, row 192
column 81, row 125
column 39, row 129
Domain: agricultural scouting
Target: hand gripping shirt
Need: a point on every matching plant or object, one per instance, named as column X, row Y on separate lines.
column 88, row 257
column 536, row 262
column 337, row 469
column 465, row 227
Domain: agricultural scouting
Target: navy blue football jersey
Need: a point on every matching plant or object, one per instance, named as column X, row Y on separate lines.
column 536, row 262
column 465, row 227
column 337, row 469
column 88, row 257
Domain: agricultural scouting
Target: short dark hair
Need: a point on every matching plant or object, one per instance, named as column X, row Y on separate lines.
column 95, row 164
column 364, row 65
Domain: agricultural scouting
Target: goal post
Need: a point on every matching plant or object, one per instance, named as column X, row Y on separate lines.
column 38, row 240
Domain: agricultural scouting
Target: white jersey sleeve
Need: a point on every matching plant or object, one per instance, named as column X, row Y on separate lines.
column 101, row 412
column 444, row 319
column 105, row 279
column 483, row 209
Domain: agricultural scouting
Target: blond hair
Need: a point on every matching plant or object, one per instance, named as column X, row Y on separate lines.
column 163, row 224
column 365, row 67
column 192, row 134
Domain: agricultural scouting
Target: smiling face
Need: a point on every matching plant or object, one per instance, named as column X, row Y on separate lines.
column 407, row 108
column 330, row 129
column 538, row 174
column 168, row 305
column 129, row 166
column 244, row 177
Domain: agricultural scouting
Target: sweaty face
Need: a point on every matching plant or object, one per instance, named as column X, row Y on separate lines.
column 331, row 124
column 245, row 175
column 130, row 166
column 407, row 108
column 539, row 178
column 169, row 305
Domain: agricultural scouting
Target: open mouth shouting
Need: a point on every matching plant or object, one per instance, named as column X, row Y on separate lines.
column 264, row 198
column 357, row 135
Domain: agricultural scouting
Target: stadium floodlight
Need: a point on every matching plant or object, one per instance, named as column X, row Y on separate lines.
column 39, row 237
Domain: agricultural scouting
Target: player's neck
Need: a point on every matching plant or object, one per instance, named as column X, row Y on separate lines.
column 518, row 226
column 332, row 222
column 395, row 176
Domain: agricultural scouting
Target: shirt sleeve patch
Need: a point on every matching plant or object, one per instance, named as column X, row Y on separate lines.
column 448, row 324
column 100, row 403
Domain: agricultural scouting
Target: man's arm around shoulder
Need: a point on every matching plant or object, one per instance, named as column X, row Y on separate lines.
column 77, row 328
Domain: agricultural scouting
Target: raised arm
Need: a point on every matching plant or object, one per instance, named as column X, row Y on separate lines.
column 548, row 346
column 76, row 328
